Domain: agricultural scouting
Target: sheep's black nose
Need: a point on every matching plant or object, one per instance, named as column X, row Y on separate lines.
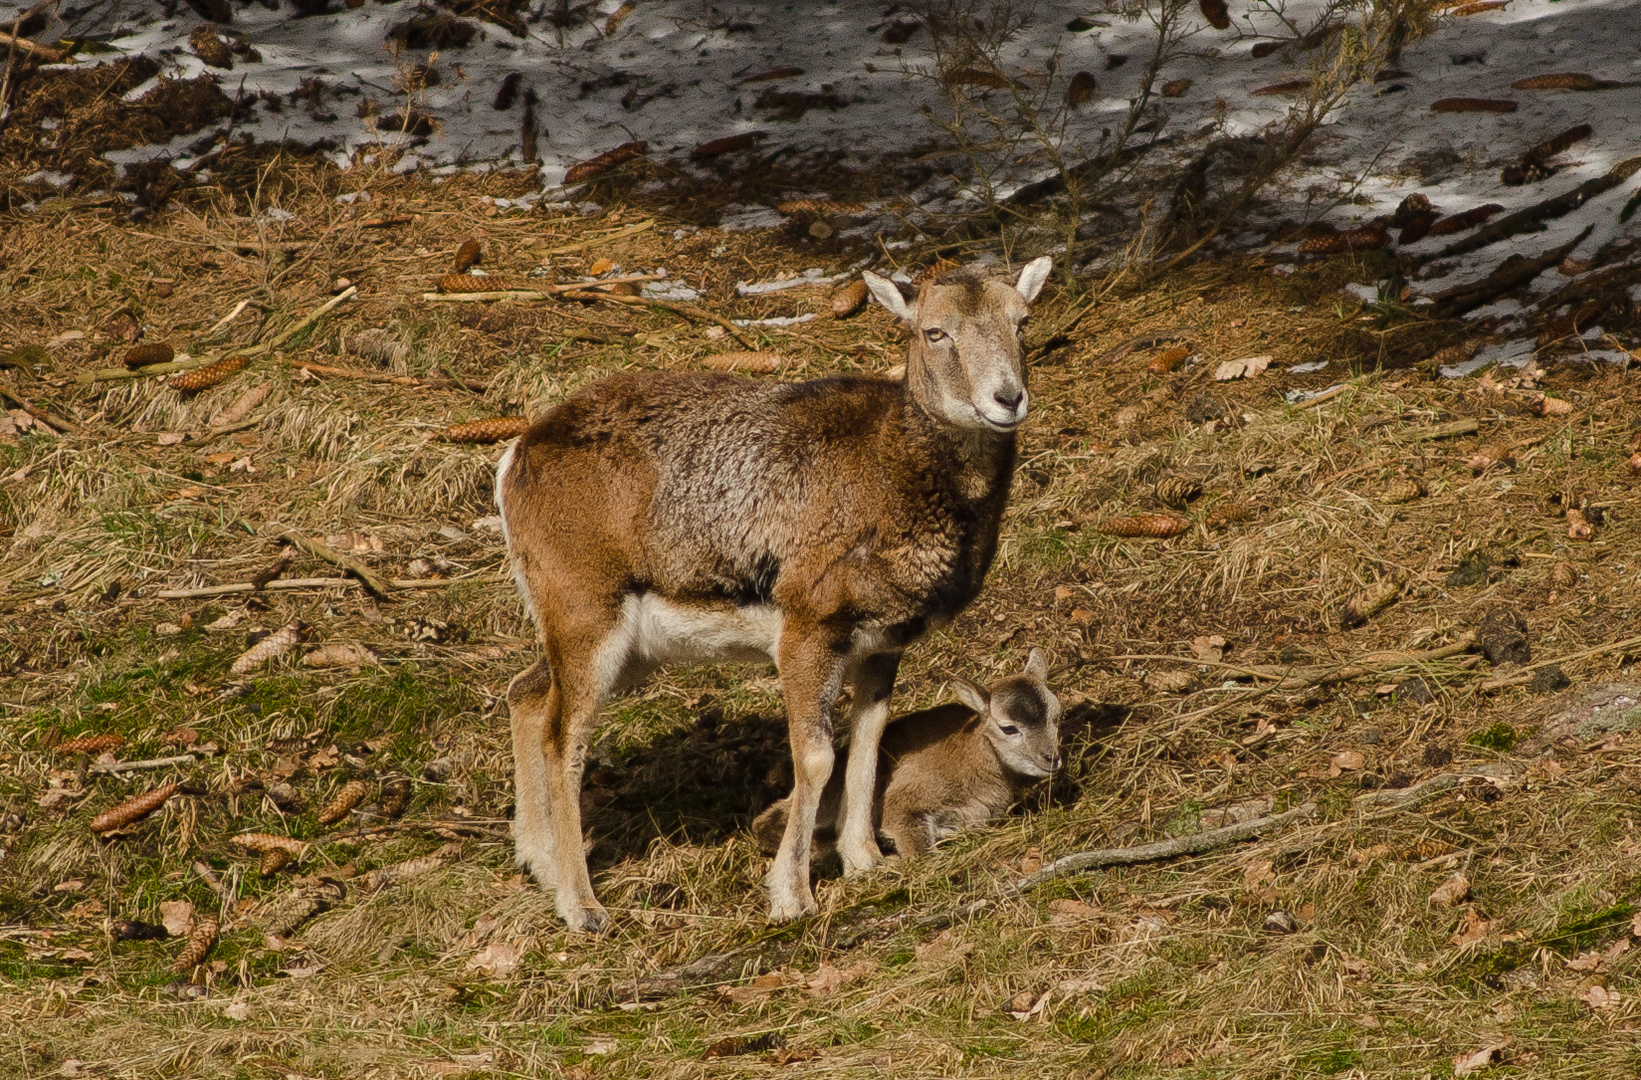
column 1009, row 401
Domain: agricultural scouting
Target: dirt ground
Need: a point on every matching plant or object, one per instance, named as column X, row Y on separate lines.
column 1374, row 619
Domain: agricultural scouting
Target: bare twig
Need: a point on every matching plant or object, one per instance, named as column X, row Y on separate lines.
column 694, row 314
column 138, row 766
column 317, row 583
column 373, row 584
column 43, row 415
column 44, row 52
column 619, row 234
column 1191, row 844
column 1425, row 790
column 317, row 314
column 472, row 385
column 544, row 293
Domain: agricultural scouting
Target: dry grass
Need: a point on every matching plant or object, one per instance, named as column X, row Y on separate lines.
column 1149, row 971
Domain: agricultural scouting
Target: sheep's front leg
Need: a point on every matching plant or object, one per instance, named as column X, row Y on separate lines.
column 811, row 678
column 873, row 682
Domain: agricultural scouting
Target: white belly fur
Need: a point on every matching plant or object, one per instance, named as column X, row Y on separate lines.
column 659, row 631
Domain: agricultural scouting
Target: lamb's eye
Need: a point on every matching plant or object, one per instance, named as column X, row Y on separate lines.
column 934, row 333
column 1009, row 729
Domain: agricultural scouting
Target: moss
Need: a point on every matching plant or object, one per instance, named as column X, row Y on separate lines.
column 1501, row 738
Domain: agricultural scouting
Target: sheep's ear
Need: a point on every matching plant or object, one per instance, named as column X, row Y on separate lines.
column 1033, row 276
column 1037, row 665
column 887, row 294
column 971, row 695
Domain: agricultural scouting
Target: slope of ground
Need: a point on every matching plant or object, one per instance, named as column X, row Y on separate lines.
column 1234, row 671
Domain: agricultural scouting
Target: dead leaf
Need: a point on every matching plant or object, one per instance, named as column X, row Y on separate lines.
column 171, row 438
column 178, row 916
column 783, row 1056
column 1241, row 369
column 242, row 465
column 1028, row 1003
column 1451, row 892
column 1067, row 987
column 829, row 980
column 1474, row 929
column 1600, row 997
column 943, row 947
column 1258, row 872
column 1489, row 1055
column 1590, row 961
column 1208, row 648
column 237, row 1010
column 498, row 960
column 1062, row 912
column 600, row 267
column 1346, row 761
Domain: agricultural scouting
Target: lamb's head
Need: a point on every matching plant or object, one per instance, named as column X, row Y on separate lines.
column 966, row 362
column 1020, row 717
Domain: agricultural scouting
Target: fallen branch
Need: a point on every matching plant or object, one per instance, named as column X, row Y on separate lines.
column 1191, row 844
column 1512, row 273
column 45, row 416
column 694, row 314
column 44, row 52
column 472, row 385
column 544, row 293
column 1425, row 790
column 140, row 766
column 373, row 584
column 316, row 583
column 1450, row 430
column 318, row 313
column 1287, row 678
column 619, row 234
column 1528, row 219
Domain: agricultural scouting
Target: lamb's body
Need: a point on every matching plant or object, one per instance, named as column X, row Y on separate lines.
column 951, row 767
column 825, row 525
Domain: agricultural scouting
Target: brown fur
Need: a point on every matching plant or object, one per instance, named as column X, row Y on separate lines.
column 951, row 767
column 825, row 524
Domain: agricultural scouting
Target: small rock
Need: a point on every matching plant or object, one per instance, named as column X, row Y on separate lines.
column 286, row 798
column 1415, row 691
column 1549, row 679
column 490, row 526
column 1280, row 922
column 1503, row 637
column 453, row 534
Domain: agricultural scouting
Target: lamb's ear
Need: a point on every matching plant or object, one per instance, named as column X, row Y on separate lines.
column 1033, row 276
column 1037, row 665
column 887, row 294
column 971, row 695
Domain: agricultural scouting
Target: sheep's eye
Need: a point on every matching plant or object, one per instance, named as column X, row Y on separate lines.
column 934, row 333
column 1009, row 729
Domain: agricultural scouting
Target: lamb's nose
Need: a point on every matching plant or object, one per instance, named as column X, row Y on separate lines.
column 1009, row 401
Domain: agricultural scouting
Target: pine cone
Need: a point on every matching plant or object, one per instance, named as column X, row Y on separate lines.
column 471, row 283
column 1478, row 7
column 352, row 794
column 1160, row 526
column 1470, row 104
column 1367, row 238
column 208, row 376
column 91, row 744
column 467, row 256
column 141, row 356
column 764, row 362
column 387, row 875
column 1217, row 14
column 1177, row 490
column 1232, row 513
column 292, row 912
column 395, row 798
column 849, row 299
column 1168, row 360
column 133, row 810
column 242, row 406
column 274, row 861
column 198, row 947
column 275, row 645
column 609, row 159
column 1578, row 526
column 261, row 843
column 1565, row 80
column 1549, row 148
column 1563, row 576
column 1368, row 603
column 486, row 431
column 1489, row 456
column 1404, row 489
